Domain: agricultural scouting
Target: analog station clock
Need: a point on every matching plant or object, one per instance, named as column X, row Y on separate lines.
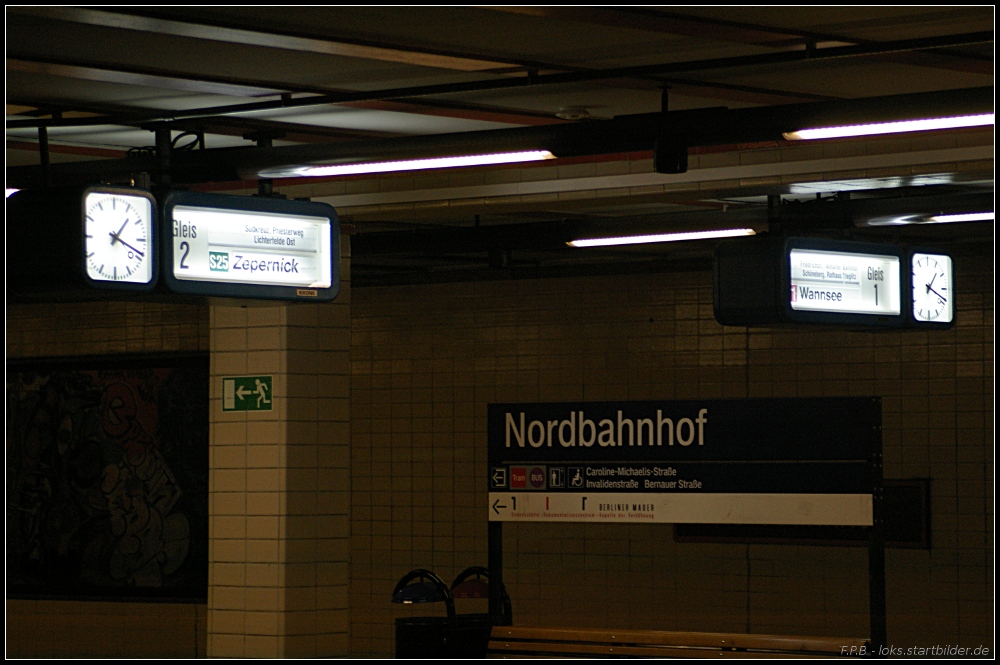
column 81, row 243
column 118, row 236
column 933, row 297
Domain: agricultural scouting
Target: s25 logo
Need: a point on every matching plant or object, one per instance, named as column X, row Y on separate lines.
column 218, row 261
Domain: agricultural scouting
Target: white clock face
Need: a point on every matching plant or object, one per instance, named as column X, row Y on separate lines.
column 118, row 237
column 933, row 298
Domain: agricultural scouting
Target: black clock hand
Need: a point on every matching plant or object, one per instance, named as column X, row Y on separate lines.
column 935, row 292
column 116, row 237
column 131, row 247
column 929, row 289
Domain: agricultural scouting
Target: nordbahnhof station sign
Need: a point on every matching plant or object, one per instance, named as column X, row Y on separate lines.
column 753, row 461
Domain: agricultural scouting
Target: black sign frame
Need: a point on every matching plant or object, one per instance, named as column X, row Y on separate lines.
column 801, row 447
column 876, row 545
column 751, row 284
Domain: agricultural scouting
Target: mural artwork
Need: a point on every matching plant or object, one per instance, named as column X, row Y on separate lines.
column 107, row 479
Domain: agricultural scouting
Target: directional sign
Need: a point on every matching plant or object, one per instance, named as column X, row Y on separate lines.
column 247, row 393
column 499, row 478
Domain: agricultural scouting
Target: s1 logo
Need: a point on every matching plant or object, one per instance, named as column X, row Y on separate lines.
column 218, row 261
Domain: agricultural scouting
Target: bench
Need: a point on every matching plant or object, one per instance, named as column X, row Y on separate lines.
column 524, row 641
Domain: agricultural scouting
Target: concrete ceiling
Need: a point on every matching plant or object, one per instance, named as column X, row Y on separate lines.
column 100, row 79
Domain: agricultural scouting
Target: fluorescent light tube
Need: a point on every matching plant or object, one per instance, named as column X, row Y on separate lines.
column 933, row 219
column 10, row 191
column 964, row 217
column 891, row 127
column 659, row 237
column 409, row 165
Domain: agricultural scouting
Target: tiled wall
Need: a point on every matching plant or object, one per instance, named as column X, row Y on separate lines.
column 75, row 329
column 51, row 628
column 426, row 360
column 279, row 485
column 80, row 629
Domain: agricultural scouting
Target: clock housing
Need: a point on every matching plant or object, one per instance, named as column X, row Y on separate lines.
column 119, row 239
column 932, row 301
column 49, row 254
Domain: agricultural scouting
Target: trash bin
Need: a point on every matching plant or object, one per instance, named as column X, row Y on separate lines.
column 450, row 636
column 474, row 582
column 471, row 632
column 423, row 637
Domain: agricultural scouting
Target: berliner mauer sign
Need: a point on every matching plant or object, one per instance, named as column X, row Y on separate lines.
column 752, row 461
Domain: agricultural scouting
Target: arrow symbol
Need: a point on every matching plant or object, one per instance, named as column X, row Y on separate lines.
column 242, row 392
column 495, row 506
column 499, row 478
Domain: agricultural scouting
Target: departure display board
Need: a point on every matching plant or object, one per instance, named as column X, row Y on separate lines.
column 251, row 247
column 823, row 281
column 777, row 280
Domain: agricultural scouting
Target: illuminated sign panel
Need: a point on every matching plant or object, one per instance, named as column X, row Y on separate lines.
column 823, row 281
column 251, row 247
column 778, row 280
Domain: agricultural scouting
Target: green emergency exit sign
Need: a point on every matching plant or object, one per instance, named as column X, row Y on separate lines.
column 246, row 393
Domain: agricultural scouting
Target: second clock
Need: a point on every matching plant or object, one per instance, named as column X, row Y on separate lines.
column 933, row 297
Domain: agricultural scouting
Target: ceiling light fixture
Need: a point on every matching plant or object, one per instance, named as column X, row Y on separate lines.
column 964, row 217
column 659, row 237
column 924, row 125
column 408, row 165
column 932, row 219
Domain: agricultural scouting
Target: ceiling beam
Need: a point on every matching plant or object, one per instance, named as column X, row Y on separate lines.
column 173, row 80
column 224, row 125
column 451, row 109
column 654, row 20
column 696, row 127
column 270, row 39
column 674, row 23
column 30, row 146
column 803, row 215
column 228, row 86
column 664, row 69
column 947, row 59
column 739, row 93
column 138, row 76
